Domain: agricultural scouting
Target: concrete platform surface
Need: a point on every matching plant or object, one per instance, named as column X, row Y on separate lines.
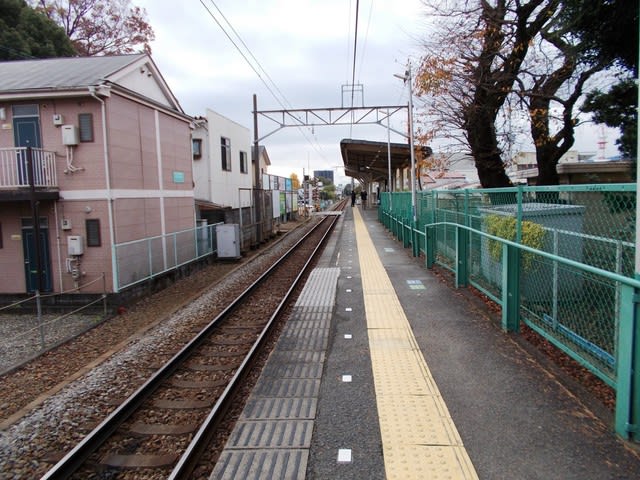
column 354, row 393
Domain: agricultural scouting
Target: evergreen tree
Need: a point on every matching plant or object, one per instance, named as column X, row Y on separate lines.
column 611, row 30
column 25, row 33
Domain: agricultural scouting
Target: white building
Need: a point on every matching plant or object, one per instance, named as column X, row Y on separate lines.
column 527, row 160
column 449, row 171
column 222, row 168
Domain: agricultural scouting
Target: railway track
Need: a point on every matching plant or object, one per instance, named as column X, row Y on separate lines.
column 163, row 428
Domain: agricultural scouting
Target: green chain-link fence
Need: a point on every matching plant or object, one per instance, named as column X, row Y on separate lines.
column 576, row 308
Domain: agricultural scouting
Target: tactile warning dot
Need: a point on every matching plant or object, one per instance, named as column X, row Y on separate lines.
column 399, row 372
column 408, row 462
column 415, row 419
column 382, row 309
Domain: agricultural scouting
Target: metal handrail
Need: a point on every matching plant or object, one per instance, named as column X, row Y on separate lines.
column 631, row 282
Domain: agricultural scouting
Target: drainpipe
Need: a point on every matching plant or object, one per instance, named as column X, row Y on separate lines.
column 58, row 245
column 114, row 266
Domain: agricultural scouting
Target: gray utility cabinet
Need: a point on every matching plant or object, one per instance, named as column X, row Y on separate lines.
column 228, row 240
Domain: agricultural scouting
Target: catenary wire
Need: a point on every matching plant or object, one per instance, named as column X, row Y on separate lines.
column 241, row 52
column 278, row 100
column 355, row 50
column 366, row 37
column 283, row 97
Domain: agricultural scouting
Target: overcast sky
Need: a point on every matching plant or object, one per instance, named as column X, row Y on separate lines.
column 306, row 48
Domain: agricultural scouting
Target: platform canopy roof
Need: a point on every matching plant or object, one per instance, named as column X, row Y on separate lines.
column 368, row 161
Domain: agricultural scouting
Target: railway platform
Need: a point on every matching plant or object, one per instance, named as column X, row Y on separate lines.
column 385, row 371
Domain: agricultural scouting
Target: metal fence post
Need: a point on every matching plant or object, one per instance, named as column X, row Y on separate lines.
column 519, row 215
column 511, row 276
column 430, row 254
column 392, row 223
column 467, row 219
column 510, row 288
column 462, row 257
column 116, row 269
column 434, row 199
column 405, row 237
column 175, row 249
column 104, row 296
column 627, row 416
column 150, row 255
column 40, row 321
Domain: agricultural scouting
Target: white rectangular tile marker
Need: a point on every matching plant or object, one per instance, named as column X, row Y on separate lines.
column 344, row 455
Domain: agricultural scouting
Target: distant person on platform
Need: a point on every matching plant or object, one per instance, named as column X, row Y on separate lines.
column 363, row 197
column 353, row 198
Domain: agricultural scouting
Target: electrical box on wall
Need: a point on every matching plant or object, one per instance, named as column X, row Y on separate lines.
column 75, row 245
column 70, row 135
column 58, row 119
column 66, row 224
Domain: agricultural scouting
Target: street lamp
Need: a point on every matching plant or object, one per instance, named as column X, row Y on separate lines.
column 406, row 78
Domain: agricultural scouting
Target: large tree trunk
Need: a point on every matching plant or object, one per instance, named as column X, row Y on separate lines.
column 549, row 148
column 479, row 125
column 547, row 167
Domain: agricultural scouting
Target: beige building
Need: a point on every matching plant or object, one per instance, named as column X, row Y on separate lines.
column 110, row 151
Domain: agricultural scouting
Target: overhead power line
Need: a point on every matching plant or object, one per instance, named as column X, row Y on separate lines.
column 282, row 100
column 239, row 49
column 355, row 49
column 366, row 38
column 346, row 72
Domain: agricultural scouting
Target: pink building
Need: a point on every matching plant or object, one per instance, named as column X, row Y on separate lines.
column 110, row 151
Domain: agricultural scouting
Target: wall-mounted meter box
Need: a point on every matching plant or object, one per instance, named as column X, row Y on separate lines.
column 75, row 245
column 58, row 119
column 70, row 135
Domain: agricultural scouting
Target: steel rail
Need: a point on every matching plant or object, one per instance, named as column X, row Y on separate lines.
column 97, row 437
column 189, row 459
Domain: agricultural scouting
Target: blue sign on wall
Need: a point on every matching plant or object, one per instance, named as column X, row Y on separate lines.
column 178, row 177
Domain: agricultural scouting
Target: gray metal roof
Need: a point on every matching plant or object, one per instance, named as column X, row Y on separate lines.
column 60, row 73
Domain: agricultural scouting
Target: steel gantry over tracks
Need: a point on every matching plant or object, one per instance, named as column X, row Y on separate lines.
column 363, row 160
column 316, row 117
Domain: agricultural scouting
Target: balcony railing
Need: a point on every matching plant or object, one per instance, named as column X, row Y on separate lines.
column 14, row 171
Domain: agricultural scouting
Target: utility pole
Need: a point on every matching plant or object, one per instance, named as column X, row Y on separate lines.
column 407, row 79
column 257, row 192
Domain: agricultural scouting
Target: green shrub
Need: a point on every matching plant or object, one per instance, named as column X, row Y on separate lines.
column 505, row 227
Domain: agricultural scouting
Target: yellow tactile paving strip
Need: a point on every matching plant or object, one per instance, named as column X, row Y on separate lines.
column 419, row 438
